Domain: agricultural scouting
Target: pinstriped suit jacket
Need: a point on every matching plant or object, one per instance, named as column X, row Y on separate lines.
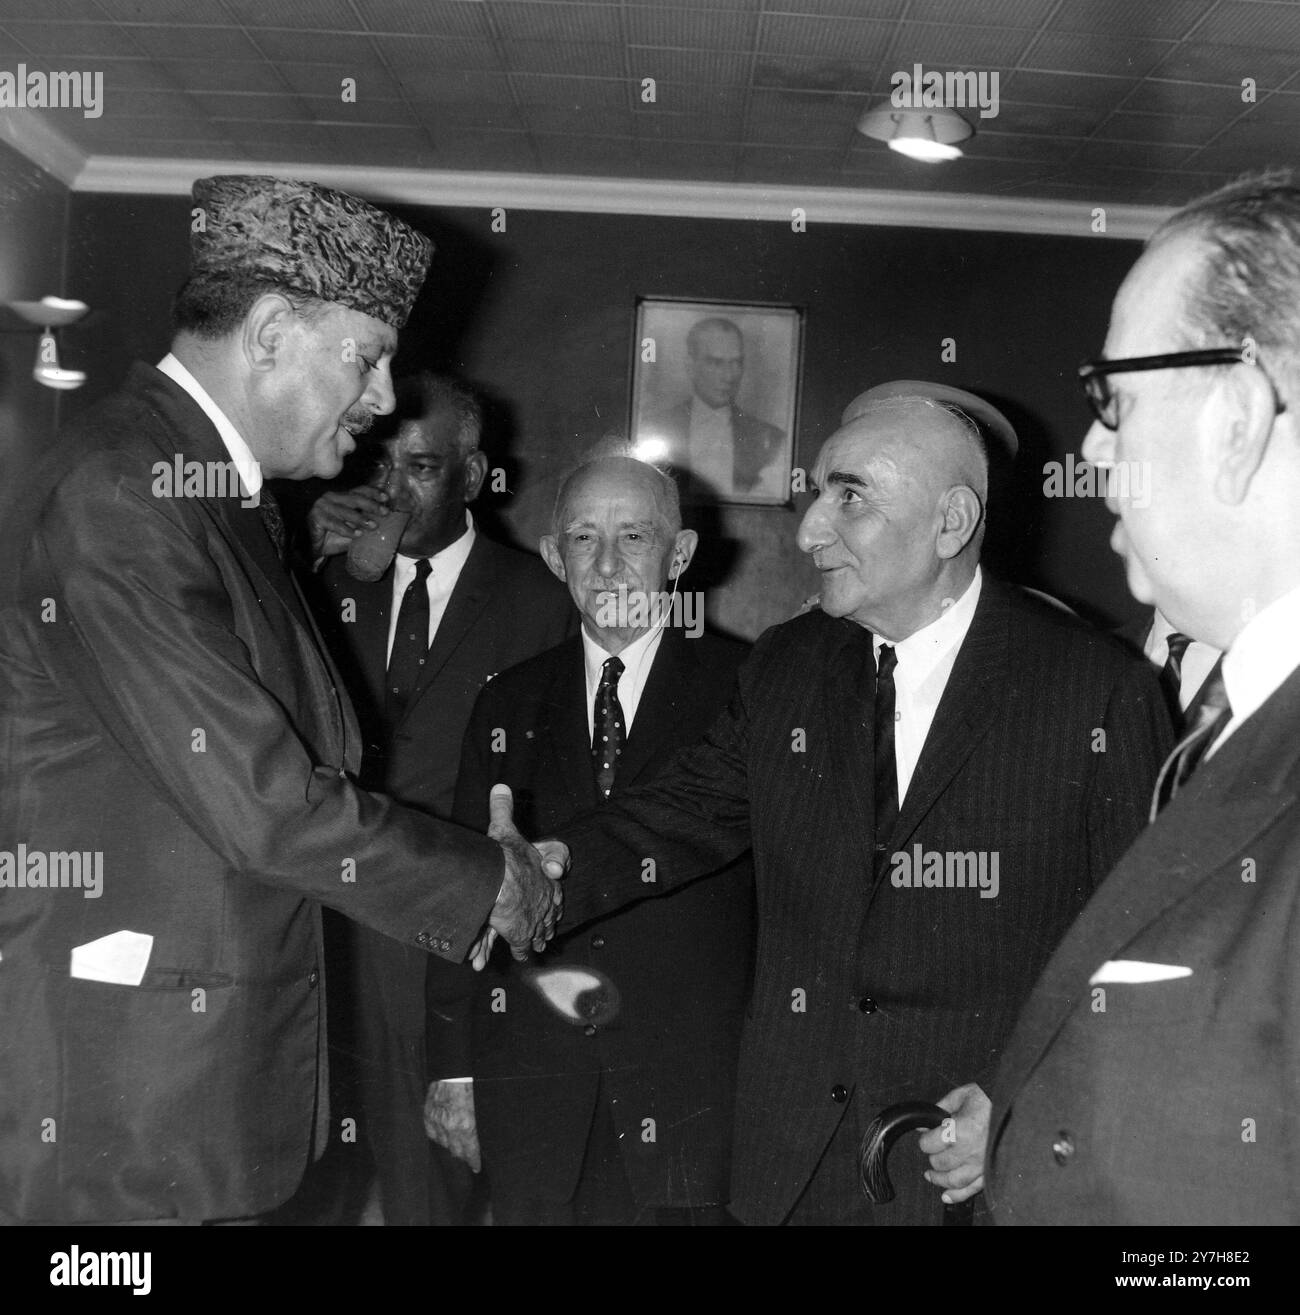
column 1042, row 752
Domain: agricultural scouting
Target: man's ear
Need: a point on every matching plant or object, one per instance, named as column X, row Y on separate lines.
column 475, row 470
column 962, row 514
column 265, row 330
column 684, row 546
column 551, row 556
column 1236, row 422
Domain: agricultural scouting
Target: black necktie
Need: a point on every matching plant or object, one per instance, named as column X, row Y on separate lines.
column 1171, row 675
column 1209, row 713
column 886, row 764
column 273, row 519
column 410, row 642
column 608, row 730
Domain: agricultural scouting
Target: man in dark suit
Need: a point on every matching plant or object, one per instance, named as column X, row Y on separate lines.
column 485, row 608
column 1153, row 1074
column 721, row 448
column 933, row 771
column 622, row 1116
column 172, row 721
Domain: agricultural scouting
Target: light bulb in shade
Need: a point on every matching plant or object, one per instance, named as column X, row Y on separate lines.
column 928, row 135
column 919, row 148
column 49, row 372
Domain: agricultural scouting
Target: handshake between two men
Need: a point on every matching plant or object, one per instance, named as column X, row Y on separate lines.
column 530, row 900
column 529, row 905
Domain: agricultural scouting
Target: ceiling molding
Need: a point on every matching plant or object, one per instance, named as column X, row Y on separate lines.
column 627, row 196
column 31, row 135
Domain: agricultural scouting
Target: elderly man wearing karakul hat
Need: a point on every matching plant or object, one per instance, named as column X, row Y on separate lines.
column 172, row 723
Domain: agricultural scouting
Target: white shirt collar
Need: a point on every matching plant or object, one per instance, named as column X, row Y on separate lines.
column 1261, row 658
column 922, row 652
column 250, row 471
column 637, row 659
column 449, row 561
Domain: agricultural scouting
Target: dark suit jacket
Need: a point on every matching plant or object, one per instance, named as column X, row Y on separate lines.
column 176, row 712
column 1172, row 1102
column 680, row 964
column 866, row 994
column 506, row 606
column 754, row 443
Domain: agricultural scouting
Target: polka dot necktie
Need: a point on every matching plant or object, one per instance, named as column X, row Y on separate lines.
column 410, row 642
column 609, row 731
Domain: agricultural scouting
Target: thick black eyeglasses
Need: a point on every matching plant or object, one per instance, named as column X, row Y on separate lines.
column 1096, row 384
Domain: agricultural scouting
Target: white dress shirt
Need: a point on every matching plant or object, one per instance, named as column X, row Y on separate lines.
column 1198, row 660
column 710, row 445
column 637, row 658
column 444, row 570
column 925, row 661
column 250, row 472
column 1261, row 658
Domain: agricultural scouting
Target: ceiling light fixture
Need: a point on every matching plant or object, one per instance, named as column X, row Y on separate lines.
column 48, row 314
column 929, row 135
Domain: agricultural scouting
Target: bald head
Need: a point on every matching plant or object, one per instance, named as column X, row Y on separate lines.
column 932, row 441
column 622, row 474
column 897, row 523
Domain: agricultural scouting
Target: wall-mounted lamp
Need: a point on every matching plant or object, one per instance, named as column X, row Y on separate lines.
column 48, row 314
column 929, row 135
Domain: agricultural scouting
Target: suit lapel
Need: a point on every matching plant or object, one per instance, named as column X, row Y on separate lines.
column 374, row 604
column 664, row 701
column 970, row 701
column 1219, row 812
column 473, row 592
column 568, row 734
column 848, row 718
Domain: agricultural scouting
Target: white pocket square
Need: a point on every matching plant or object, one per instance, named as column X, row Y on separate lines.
column 120, row 958
column 1135, row 970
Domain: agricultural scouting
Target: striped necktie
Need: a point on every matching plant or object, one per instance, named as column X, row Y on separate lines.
column 1206, row 717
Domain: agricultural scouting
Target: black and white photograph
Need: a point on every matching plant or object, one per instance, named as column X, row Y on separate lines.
column 641, row 614
column 714, row 394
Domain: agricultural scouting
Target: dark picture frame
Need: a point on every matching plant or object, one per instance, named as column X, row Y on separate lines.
column 715, row 395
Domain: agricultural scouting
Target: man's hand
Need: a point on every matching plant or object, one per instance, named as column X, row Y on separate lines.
column 449, row 1120
column 956, row 1147
column 529, row 902
column 336, row 519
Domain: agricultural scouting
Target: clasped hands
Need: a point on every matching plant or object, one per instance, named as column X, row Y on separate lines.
column 530, row 900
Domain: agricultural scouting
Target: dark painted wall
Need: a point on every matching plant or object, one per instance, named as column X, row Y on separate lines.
column 33, row 220
column 541, row 318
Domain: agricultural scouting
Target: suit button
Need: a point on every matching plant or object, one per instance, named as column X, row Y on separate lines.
column 597, row 942
column 867, row 1005
column 423, row 938
column 313, row 977
column 589, row 1030
column 1063, row 1148
column 839, row 1093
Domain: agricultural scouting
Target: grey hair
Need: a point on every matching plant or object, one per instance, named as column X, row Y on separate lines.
column 420, row 395
column 1248, row 286
column 616, row 446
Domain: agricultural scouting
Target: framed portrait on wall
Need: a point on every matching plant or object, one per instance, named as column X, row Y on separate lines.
column 715, row 393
